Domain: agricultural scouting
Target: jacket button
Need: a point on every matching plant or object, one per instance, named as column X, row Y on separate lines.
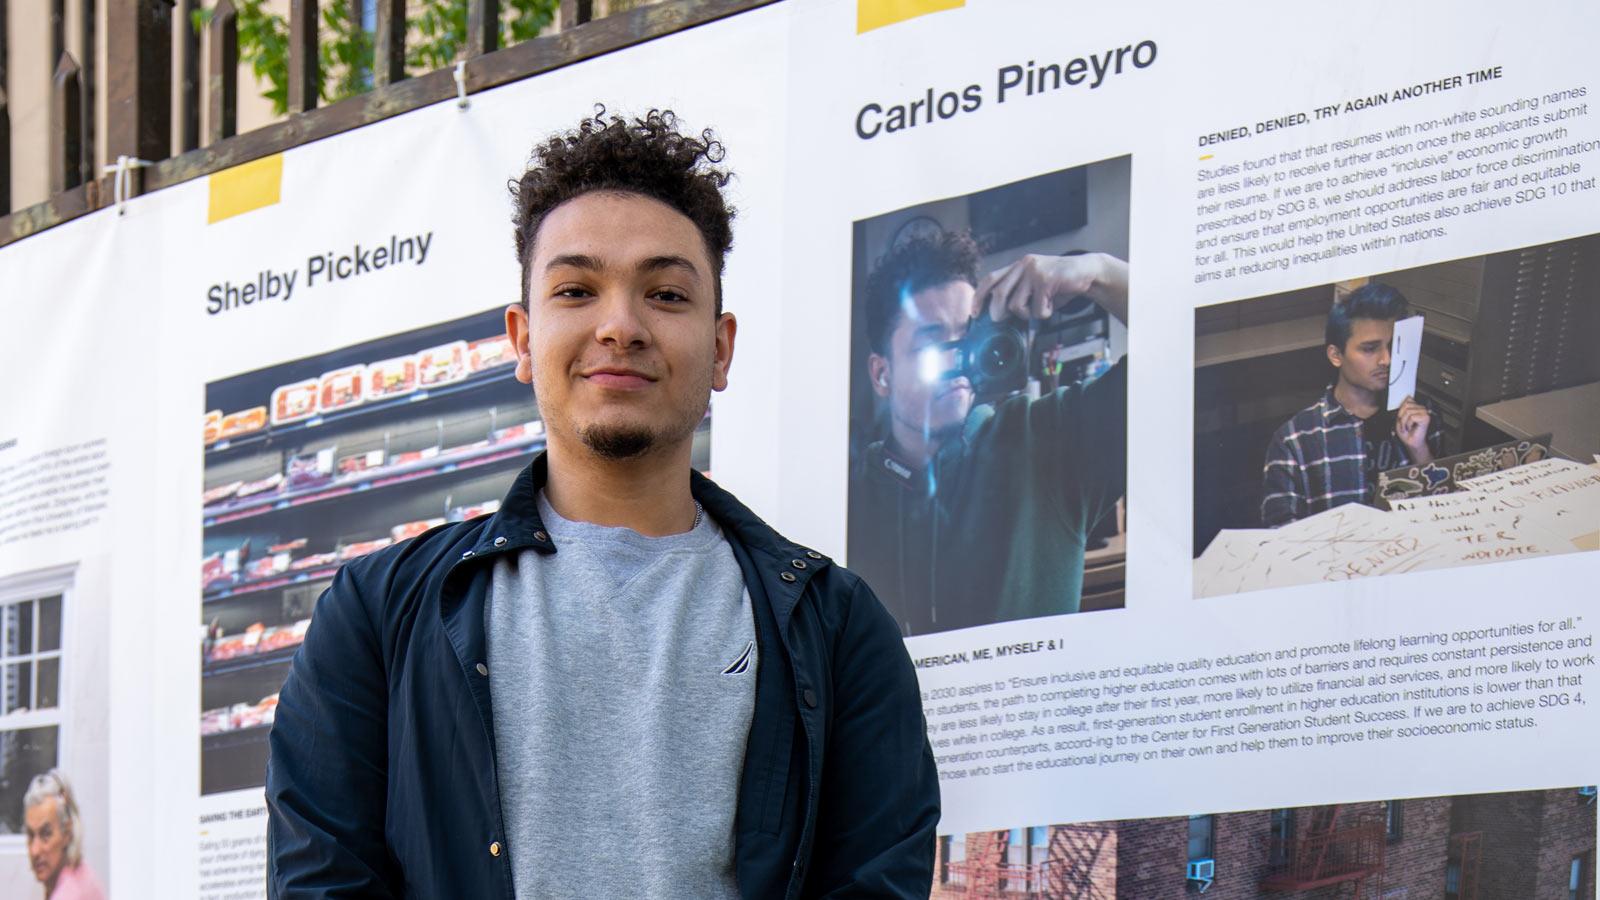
column 813, row 554
column 810, row 697
column 499, row 542
column 541, row 536
column 494, row 849
column 483, row 669
column 468, row 555
column 786, row 576
column 798, row 563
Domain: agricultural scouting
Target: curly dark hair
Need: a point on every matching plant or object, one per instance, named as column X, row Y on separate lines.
column 646, row 155
column 919, row 262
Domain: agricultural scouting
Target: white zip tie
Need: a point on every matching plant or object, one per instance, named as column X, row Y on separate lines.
column 121, row 170
column 461, row 85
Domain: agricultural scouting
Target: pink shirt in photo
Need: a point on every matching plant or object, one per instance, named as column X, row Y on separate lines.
column 77, row 883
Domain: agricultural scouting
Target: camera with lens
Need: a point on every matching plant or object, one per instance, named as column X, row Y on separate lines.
column 999, row 357
column 994, row 355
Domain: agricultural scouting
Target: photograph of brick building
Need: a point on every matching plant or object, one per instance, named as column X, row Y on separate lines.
column 1525, row 845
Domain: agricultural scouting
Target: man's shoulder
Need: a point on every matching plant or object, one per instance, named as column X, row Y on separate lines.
column 1308, row 421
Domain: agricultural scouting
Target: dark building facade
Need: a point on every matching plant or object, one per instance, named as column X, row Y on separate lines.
column 1530, row 845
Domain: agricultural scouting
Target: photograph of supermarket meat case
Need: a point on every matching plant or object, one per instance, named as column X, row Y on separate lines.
column 322, row 460
column 1524, row 845
column 1433, row 417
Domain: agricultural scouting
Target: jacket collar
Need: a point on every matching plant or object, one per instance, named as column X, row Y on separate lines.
column 782, row 565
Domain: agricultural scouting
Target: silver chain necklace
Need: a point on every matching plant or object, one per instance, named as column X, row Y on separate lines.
column 699, row 513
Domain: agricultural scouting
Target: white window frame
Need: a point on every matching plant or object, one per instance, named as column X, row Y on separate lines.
column 36, row 585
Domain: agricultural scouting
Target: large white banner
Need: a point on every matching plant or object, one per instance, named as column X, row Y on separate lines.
column 1072, row 329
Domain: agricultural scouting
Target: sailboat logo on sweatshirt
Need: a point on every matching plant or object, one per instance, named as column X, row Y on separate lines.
column 738, row 666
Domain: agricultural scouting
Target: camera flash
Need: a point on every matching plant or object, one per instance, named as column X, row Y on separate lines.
column 930, row 364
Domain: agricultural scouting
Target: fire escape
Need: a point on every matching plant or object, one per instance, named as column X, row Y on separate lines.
column 988, row 872
column 1326, row 854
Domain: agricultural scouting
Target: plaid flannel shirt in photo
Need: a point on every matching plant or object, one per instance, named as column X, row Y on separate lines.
column 1320, row 459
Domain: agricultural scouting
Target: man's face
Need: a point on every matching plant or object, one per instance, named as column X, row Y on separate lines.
column 47, row 840
column 1364, row 362
column 914, row 377
column 620, row 339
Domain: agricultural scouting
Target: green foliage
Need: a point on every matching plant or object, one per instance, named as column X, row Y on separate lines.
column 436, row 34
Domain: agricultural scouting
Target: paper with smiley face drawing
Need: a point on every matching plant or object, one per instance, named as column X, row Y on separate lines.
column 1405, row 349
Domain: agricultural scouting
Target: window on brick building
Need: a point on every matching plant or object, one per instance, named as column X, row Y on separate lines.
column 1282, row 842
column 1576, row 877
column 1202, row 837
column 1202, row 845
column 1393, row 820
column 1452, row 880
column 952, row 849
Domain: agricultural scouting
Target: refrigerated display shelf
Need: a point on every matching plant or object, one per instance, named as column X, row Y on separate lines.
column 229, row 446
column 276, row 581
column 442, row 464
column 250, row 661
column 238, row 737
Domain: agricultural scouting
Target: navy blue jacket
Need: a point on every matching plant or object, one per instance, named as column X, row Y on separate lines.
column 381, row 778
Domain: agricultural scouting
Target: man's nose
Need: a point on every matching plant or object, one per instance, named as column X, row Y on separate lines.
column 622, row 322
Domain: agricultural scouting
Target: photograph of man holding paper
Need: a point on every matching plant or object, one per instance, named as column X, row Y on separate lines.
column 1330, row 452
column 1457, row 421
column 989, row 401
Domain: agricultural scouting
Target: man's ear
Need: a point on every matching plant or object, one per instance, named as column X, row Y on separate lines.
column 878, row 371
column 727, row 330
column 517, row 332
column 1335, row 356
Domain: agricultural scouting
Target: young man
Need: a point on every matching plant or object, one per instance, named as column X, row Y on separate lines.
column 968, row 513
column 624, row 683
column 1331, row 452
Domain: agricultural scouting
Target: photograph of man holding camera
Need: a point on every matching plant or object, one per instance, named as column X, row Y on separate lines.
column 992, row 454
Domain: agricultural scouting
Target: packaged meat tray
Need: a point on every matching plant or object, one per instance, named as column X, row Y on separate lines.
column 270, row 483
column 250, row 715
column 360, row 462
column 362, row 548
column 412, row 529
column 216, row 721
column 341, row 389
column 413, row 456
column 283, row 636
column 315, row 560
column 310, row 470
column 490, row 352
column 443, row 364
column 214, row 570
column 213, row 426
column 220, row 492
column 288, row 546
column 243, row 422
column 230, row 648
column 392, row 377
column 519, row 432
column 267, row 566
column 463, row 513
column 293, row 402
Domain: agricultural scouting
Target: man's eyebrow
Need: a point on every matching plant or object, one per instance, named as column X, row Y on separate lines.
column 658, row 263
column 576, row 261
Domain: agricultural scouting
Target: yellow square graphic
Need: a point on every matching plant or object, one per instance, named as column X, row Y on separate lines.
column 872, row 14
column 245, row 187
